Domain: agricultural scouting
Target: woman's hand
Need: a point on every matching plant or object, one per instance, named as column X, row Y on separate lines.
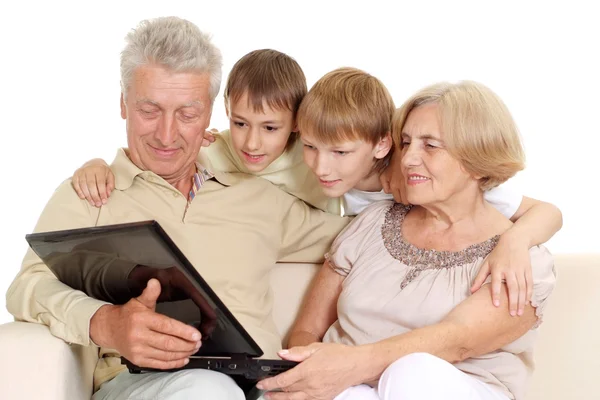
column 326, row 370
column 94, row 182
column 509, row 262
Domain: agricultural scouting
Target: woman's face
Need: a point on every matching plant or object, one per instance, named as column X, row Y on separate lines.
column 432, row 175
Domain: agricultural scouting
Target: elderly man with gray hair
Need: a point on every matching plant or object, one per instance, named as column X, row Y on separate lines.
column 232, row 227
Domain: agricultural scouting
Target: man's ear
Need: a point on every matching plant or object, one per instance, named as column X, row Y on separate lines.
column 123, row 108
column 383, row 147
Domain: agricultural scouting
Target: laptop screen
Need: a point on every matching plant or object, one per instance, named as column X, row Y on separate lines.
column 113, row 263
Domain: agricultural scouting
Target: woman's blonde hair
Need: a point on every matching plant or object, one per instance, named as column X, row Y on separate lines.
column 347, row 104
column 478, row 129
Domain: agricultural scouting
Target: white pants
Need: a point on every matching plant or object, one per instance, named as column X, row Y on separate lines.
column 421, row 376
column 197, row 384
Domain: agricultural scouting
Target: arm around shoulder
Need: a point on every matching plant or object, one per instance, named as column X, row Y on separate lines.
column 536, row 221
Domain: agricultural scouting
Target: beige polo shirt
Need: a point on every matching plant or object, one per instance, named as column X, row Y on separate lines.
column 234, row 231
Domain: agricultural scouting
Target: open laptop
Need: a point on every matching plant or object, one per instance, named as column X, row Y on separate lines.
column 94, row 259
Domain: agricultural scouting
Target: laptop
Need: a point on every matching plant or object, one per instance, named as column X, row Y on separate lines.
column 101, row 256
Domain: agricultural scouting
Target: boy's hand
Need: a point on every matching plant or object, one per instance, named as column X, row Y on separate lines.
column 94, row 182
column 209, row 137
column 392, row 180
column 509, row 262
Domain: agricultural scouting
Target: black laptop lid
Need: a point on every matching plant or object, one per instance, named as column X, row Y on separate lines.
column 101, row 251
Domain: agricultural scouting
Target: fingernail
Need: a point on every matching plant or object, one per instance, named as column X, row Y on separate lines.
column 196, row 336
column 103, row 201
column 520, row 311
column 259, row 385
column 513, row 313
column 284, row 352
column 497, row 303
column 187, row 360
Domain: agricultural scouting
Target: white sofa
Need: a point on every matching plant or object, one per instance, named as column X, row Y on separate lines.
column 35, row 365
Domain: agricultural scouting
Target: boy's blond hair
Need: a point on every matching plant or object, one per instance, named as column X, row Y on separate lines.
column 347, row 104
column 270, row 76
column 478, row 129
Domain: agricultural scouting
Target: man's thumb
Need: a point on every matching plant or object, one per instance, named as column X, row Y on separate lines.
column 150, row 294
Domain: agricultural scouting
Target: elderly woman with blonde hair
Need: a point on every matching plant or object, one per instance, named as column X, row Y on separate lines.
column 392, row 305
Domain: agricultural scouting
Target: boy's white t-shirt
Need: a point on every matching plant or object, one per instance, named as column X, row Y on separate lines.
column 503, row 198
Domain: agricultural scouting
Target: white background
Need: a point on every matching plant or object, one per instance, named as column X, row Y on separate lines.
column 59, row 68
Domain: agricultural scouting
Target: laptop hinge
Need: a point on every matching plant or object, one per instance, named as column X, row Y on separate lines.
column 240, row 356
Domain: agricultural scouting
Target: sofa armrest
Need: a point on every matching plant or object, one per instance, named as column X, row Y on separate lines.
column 37, row 365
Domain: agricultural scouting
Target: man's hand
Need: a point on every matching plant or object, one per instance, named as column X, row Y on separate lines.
column 142, row 336
column 393, row 181
column 326, row 370
column 174, row 287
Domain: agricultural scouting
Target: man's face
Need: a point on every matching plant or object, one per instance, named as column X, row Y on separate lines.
column 167, row 113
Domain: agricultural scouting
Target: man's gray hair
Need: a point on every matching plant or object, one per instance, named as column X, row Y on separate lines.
column 174, row 43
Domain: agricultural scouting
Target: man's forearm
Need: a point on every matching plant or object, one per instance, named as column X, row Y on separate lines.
column 37, row 296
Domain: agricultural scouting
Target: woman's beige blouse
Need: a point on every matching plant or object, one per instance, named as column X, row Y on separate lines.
column 392, row 287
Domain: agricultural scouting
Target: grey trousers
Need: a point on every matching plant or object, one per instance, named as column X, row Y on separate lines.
column 197, row 384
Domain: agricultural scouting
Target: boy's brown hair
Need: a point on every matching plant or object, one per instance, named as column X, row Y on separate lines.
column 347, row 104
column 270, row 76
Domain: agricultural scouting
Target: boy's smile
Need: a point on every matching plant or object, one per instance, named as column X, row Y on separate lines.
column 259, row 137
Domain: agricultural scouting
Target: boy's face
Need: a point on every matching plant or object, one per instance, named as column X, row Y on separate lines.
column 259, row 138
column 343, row 166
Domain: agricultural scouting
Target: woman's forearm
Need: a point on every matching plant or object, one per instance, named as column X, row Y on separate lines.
column 302, row 338
column 473, row 328
column 442, row 340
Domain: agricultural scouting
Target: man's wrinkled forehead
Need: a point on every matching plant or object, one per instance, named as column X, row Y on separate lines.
column 159, row 86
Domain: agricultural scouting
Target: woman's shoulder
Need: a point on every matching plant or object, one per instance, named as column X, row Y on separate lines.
column 381, row 209
column 371, row 218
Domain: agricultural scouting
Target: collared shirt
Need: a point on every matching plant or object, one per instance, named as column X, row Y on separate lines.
column 234, row 231
column 200, row 176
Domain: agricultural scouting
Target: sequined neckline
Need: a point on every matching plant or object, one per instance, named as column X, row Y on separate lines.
column 423, row 259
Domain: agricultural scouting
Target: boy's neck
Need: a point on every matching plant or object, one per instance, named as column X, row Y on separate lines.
column 370, row 184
